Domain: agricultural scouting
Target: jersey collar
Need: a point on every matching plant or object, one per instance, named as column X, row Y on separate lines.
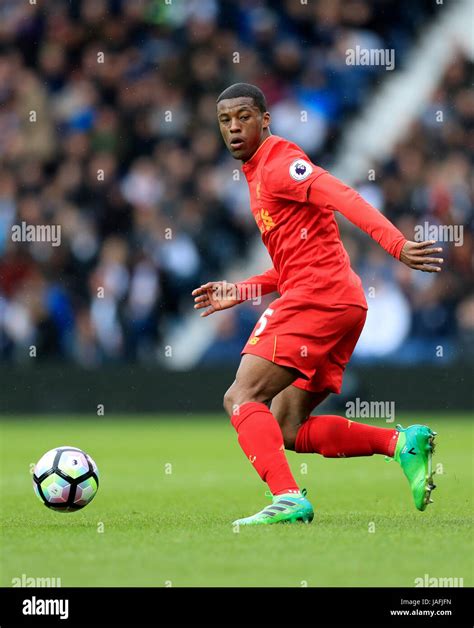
column 261, row 151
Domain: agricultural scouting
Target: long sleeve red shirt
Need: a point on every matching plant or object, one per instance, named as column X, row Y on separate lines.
column 293, row 202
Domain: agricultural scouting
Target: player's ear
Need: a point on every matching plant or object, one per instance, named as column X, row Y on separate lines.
column 266, row 120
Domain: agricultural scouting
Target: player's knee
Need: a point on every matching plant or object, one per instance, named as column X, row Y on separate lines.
column 237, row 395
column 231, row 399
column 228, row 401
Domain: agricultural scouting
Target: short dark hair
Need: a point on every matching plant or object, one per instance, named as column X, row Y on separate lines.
column 238, row 90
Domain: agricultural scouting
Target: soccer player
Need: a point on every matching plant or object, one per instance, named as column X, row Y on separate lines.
column 300, row 346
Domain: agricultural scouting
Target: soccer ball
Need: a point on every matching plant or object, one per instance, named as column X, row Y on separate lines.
column 66, row 479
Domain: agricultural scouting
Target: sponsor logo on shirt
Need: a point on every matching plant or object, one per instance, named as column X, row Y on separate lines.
column 300, row 170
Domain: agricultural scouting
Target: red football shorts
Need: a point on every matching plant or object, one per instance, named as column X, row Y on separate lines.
column 316, row 340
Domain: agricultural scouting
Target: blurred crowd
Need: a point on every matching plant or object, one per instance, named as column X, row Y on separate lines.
column 426, row 190
column 107, row 128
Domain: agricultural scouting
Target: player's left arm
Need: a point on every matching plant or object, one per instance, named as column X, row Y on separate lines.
column 330, row 192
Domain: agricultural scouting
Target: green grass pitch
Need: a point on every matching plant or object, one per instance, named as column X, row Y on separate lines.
column 171, row 487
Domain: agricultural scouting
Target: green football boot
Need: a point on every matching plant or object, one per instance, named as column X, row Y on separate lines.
column 286, row 508
column 413, row 452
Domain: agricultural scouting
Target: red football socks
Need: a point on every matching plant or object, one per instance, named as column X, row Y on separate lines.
column 337, row 437
column 262, row 442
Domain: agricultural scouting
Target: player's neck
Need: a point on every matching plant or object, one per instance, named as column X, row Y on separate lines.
column 265, row 135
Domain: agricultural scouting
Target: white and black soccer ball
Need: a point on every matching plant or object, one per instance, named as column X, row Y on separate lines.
column 66, row 479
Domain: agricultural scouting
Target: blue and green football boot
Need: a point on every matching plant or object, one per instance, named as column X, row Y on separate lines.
column 413, row 452
column 286, row 508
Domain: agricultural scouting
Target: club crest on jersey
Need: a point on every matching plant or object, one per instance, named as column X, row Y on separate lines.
column 300, row 170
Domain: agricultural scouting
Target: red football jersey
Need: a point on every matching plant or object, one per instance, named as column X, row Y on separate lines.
column 293, row 202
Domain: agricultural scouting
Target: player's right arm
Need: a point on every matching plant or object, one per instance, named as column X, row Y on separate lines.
column 221, row 295
column 262, row 284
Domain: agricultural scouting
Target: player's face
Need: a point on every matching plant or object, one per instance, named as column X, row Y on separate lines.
column 243, row 126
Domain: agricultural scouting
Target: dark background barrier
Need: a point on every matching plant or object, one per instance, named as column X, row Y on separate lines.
column 52, row 388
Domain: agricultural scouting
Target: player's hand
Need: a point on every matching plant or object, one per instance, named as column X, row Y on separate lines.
column 215, row 296
column 420, row 256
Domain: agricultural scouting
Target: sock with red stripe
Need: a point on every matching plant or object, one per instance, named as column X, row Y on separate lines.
column 261, row 439
column 337, row 437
